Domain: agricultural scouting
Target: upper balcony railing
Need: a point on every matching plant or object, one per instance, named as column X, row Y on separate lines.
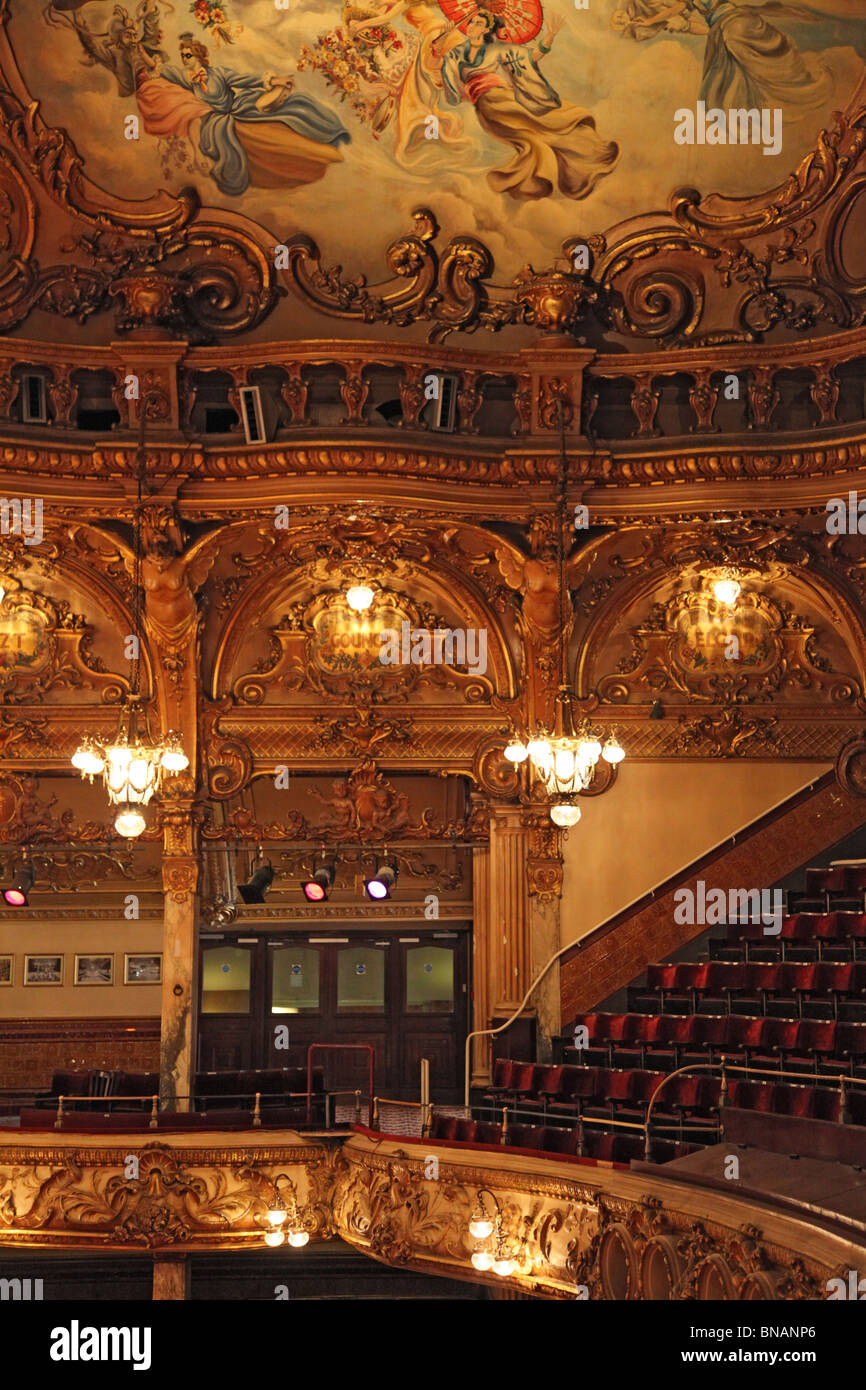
column 346, row 388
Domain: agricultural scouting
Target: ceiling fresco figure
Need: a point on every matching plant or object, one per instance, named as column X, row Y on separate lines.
column 392, row 78
column 254, row 132
column 748, row 60
column 130, row 48
column 555, row 144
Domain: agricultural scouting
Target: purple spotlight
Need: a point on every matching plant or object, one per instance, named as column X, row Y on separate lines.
column 382, row 882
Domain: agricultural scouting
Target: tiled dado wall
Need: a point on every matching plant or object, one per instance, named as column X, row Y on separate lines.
column 31, row 1050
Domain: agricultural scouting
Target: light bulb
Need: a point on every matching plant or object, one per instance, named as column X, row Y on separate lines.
column 613, row 752
column 503, row 1267
column 482, row 1260
column 274, row 1238
column 564, row 764
column 129, row 822
column 481, row 1229
column 359, row 597
column 298, row 1238
column 138, row 773
column 276, row 1216
column 589, row 750
column 173, row 758
column 87, row 760
column 727, row 591
column 516, row 752
column 564, row 814
column 538, row 750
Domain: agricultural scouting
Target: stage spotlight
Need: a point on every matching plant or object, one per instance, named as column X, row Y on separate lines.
column 16, row 894
column 257, row 885
column 317, row 888
column 383, row 881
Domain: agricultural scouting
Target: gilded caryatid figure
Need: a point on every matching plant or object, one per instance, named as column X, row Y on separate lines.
column 536, row 577
column 171, row 576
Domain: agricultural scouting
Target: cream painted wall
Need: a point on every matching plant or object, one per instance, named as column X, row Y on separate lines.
column 656, row 820
column 83, row 938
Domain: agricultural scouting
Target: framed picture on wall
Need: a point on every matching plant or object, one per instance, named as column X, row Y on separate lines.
column 94, row 970
column 43, row 970
column 7, row 970
column 142, row 970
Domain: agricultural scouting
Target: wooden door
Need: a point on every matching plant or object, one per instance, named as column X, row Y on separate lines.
column 431, row 1011
column 231, row 1003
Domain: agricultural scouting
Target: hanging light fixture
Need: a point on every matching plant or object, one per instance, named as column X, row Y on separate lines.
column 565, row 759
column 495, row 1250
column 287, row 1221
column 359, row 597
column 133, row 763
column 257, row 885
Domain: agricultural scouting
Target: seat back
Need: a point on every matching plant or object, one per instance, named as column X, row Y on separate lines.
column 526, row 1136
column 465, row 1130
column 488, row 1133
column 503, row 1070
column 550, row 1081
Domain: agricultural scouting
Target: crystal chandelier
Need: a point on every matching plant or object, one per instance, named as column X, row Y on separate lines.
column 133, row 763
column 565, row 759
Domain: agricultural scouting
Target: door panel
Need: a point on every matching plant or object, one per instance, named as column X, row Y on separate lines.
column 407, row 999
column 230, row 1005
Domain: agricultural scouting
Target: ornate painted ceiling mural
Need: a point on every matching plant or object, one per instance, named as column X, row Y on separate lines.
column 548, row 122
column 524, row 127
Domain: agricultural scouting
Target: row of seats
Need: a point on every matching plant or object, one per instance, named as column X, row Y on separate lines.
column 752, row 985
column 674, row 1039
column 91, row 1122
column 693, row 1098
column 811, row 934
column 585, row 1143
column 839, row 887
column 570, row 1092
column 274, row 1084
column 215, row 1086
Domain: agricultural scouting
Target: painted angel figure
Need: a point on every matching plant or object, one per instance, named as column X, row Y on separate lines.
column 555, row 143
column 129, row 49
column 393, row 77
column 753, row 55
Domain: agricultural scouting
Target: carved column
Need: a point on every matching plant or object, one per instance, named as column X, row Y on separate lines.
column 482, row 980
column 177, row 1046
column 171, row 574
column 544, row 874
column 509, row 909
column 170, row 1278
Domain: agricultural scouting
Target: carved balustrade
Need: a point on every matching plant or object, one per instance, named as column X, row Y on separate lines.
column 727, row 389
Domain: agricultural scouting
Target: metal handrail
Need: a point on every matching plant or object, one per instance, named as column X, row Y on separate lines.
column 724, row 1067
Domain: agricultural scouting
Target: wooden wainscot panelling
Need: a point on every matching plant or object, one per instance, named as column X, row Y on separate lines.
column 31, row 1050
